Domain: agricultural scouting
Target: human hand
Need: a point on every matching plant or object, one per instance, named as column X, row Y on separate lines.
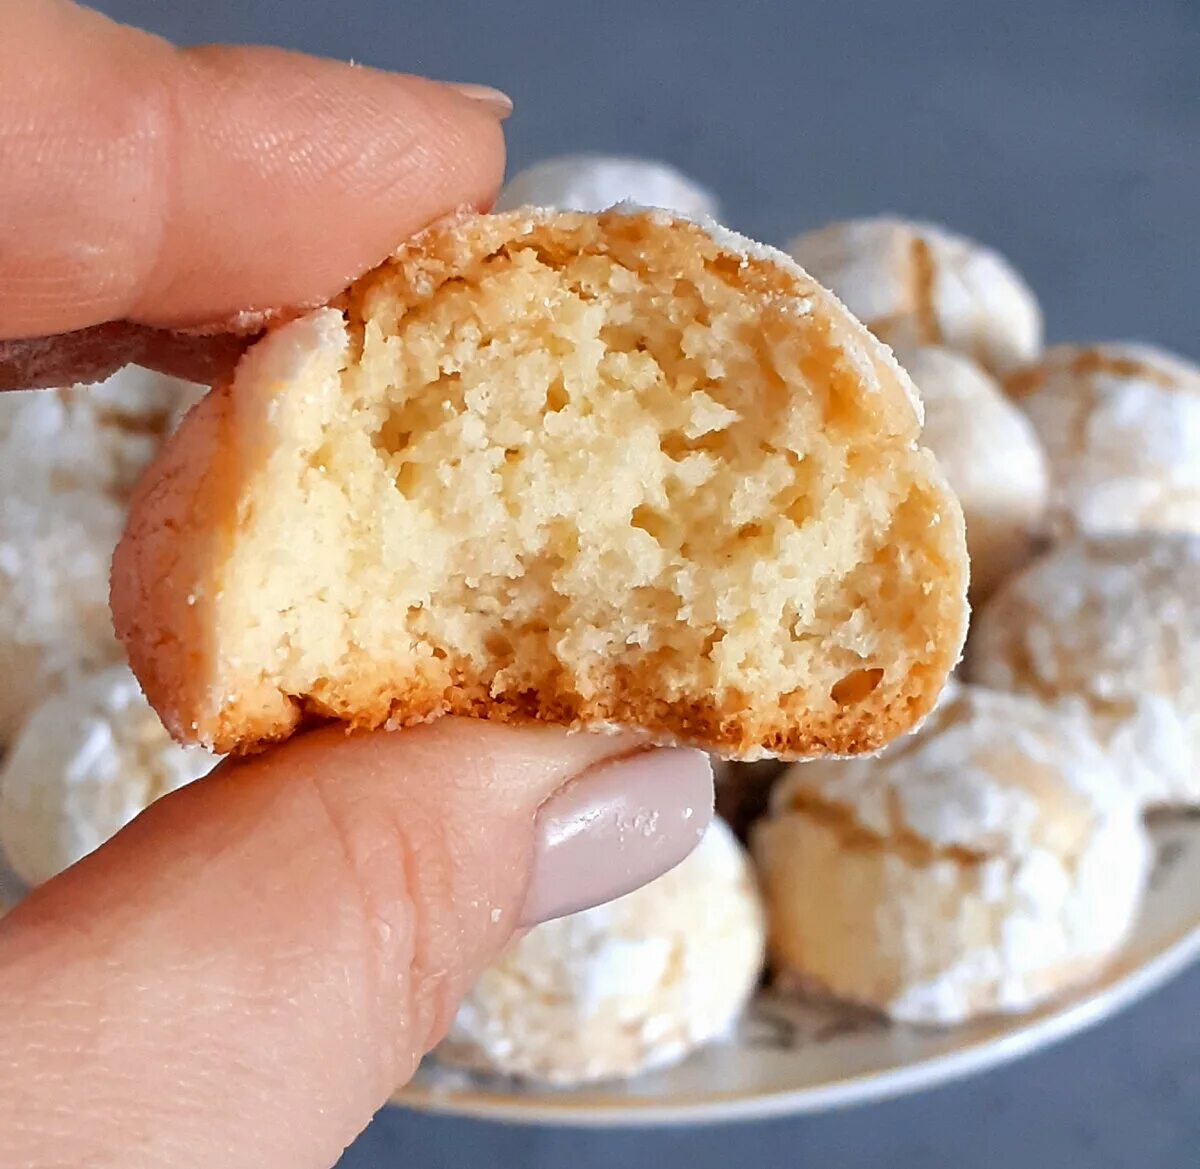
column 245, row 973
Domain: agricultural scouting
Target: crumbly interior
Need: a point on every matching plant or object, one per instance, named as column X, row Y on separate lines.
column 577, row 473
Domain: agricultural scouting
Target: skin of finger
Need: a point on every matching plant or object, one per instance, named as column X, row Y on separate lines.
column 244, row 974
column 176, row 187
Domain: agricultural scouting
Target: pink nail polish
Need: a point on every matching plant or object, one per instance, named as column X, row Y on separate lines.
column 495, row 101
column 616, row 828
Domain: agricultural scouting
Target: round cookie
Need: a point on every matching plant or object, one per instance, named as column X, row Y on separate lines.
column 1121, row 426
column 627, row 986
column 595, row 182
column 87, row 761
column 616, row 470
column 1111, row 624
column 919, row 284
column 982, row 865
column 68, row 461
column 991, row 457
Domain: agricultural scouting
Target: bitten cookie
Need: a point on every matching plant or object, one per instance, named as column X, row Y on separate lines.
column 595, row 182
column 86, row 762
column 982, row 865
column 1113, row 624
column 592, row 470
column 919, row 284
column 627, row 986
column 68, row 461
column 1121, row 427
column 991, row 456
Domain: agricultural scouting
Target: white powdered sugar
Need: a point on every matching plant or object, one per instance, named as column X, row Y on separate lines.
column 68, row 461
column 1121, row 424
column 919, row 284
column 54, row 619
column 594, row 182
column 87, row 761
column 627, row 986
column 1109, row 626
column 982, row 864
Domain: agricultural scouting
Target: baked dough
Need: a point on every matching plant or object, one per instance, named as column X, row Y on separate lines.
column 919, row 284
column 86, row 762
column 981, row 865
column 627, row 986
column 614, row 470
column 595, row 182
column 1121, row 426
column 1112, row 624
column 992, row 459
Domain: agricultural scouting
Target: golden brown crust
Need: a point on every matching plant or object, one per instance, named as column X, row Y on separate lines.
column 181, row 514
column 786, row 729
column 164, row 573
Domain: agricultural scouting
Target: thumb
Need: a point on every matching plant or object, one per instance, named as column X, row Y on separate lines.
column 245, row 973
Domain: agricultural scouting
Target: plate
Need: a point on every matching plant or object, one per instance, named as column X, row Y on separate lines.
column 788, row 1057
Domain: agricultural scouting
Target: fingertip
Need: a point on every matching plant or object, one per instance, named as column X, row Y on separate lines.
column 299, row 173
column 177, row 187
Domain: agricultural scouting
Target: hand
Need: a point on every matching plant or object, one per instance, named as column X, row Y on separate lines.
column 244, row 974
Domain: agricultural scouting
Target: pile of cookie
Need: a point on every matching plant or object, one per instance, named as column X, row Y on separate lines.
column 81, row 752
column 986, row 863
column 997, row 857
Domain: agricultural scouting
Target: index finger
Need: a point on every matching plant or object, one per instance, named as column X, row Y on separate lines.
column 175, row 187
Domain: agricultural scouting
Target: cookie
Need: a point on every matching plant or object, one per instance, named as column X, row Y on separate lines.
column 631, row 985
column 982, row 865
column 595, row 182
column 1111, row 625
column 991, row 456
column 87, row 761
column 599, row 471
column 69, row 459
column 919, row 284
column 1121, row 426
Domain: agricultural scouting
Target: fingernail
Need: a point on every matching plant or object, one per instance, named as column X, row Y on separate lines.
column 617, row 827
column 495, row 101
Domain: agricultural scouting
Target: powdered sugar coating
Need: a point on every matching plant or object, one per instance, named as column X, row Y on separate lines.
column 95, row 438
column 991, row 457
column 1121, row 424
column 87, row 761
column 68, row 461
column 980, row 865
column 595, row 182
column 624, row 987
column 919, row 284
column 1110, row 625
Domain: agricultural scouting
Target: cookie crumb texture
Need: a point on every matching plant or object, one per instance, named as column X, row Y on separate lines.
column 594, row 470
column 625, row 987
column 982, row 865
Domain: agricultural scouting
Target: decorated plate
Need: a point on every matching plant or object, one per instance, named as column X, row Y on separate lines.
column 789, row 1057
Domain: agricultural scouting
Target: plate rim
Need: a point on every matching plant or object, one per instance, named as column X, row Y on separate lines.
column 1111, row 996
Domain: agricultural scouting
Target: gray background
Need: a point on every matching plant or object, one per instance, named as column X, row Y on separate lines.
column 1066, row 133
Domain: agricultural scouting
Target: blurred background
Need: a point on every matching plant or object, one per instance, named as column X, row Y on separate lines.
column 1063, row 132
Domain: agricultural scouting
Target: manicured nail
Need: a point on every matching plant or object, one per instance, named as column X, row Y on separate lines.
column 617, row 827
column 495, row 101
